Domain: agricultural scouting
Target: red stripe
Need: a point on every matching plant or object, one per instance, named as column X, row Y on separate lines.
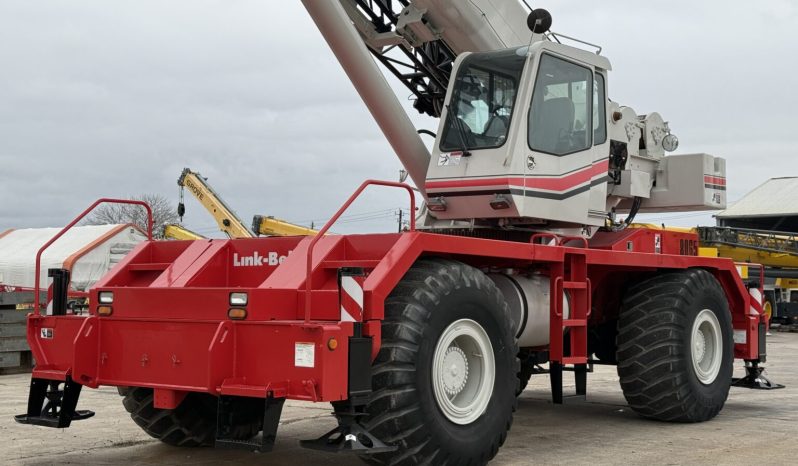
column 554, row 184
column 756, row 304
column 351, row 306
column 719, row 180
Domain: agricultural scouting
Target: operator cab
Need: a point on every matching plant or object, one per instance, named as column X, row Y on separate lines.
column 523, row 137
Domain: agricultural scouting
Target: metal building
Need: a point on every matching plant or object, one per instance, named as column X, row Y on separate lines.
column 772, row 206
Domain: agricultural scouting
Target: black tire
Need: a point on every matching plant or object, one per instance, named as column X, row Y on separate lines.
column 655, row 362
column 529, row 362
column 191, row 424
column 602, row 341
column 433, row 294
column 524, row 374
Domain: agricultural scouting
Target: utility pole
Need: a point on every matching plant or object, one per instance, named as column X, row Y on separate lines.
column 400, row 220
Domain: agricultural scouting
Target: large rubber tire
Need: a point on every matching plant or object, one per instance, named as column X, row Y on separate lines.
column 655, row 356
column 403, row 410
column 191, row 424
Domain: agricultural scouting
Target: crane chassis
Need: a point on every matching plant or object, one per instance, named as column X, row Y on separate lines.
column 178, row 320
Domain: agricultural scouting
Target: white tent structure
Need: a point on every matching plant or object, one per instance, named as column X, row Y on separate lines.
column 87, row 251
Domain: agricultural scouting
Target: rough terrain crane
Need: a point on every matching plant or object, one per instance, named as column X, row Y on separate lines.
column 225, row 217
column 421, row 340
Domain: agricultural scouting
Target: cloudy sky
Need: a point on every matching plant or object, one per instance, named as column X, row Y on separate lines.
column 101, row 98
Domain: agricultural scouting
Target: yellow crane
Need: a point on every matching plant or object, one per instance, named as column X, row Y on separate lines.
column 270, row 226
column 769, row 248
column 224, row 216
column 177, row 231
column 777, row 251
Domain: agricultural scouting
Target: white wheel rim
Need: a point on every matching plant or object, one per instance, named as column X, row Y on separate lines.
column 463, row 371
column 706, row 346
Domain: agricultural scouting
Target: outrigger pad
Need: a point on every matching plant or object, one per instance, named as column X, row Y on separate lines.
column 59, row 409
column 348, row 438
column 755, row 380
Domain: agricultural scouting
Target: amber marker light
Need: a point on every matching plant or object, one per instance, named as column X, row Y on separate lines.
column 332, row 343
column 237, row 313
column 104, row 310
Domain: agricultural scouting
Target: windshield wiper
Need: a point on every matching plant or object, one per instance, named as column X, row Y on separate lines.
column 458, row 123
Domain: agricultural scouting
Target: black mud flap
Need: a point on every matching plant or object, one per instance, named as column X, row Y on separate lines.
column 49, row 405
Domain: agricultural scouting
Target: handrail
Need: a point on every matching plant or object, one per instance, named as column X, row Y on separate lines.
column 538, row 236
column 566, row 239
column 36, row 297
column 558, row 240
column 334, row 218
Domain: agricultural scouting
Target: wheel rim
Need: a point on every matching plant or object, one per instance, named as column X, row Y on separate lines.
column 706, row 346
column 463, row 371
column 767, row 309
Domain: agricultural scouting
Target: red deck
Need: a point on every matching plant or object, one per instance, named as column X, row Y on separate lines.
column 169, row 327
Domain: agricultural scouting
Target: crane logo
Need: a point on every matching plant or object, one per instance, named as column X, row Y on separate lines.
column 195, row 189
column 271, row 259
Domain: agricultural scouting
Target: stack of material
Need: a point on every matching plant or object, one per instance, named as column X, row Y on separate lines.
column 87, row 251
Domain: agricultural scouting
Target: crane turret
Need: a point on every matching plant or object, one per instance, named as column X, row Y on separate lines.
column 528, row 138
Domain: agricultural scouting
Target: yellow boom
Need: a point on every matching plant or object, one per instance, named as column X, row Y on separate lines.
column 175, row 231
column 270, row 226
column 227, row 220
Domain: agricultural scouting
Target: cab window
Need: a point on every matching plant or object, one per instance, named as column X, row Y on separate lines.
column 561, row 108
column 482, row 102
column 599, row 110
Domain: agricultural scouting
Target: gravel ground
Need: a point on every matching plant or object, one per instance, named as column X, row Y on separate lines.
column 755, row 427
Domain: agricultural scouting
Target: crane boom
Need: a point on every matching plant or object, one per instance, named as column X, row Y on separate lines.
column 225, row 217
column 350, row 50
column 179, row 232
column 769, row 248
column 270, row 226
column 417, row 41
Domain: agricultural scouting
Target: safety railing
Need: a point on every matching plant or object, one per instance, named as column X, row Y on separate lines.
column 37, row 279
column 334, row 218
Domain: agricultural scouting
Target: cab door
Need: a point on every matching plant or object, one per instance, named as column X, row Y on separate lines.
column 562, row 165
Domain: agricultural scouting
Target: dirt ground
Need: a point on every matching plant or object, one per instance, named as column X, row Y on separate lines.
column 755, row 427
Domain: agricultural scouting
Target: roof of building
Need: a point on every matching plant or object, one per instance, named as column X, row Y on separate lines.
column 776, row 197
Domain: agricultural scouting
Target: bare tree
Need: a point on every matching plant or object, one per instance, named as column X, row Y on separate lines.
column 163, row 212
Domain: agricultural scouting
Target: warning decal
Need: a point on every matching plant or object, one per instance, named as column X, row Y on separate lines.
column 304, row 355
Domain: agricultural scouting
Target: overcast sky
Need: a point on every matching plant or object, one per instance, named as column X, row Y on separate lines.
column 111, row 99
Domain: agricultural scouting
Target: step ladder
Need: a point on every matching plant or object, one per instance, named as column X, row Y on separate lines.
column 569, row 278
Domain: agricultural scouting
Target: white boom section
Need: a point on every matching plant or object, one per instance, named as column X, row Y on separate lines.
column 348, row 47
column 467, row 26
